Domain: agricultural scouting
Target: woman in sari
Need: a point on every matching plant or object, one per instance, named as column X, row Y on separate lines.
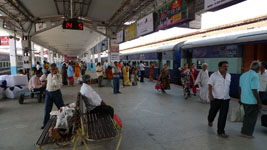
column 151, row 71
column 185, row 77
column 165, row 78
column 77, row 71
column 202, row 81
column 64, row 75
column 125, row 70
column 134, row 74
column 193, row 77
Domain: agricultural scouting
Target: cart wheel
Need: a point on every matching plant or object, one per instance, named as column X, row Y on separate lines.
column 21, row 98
column 40, row 98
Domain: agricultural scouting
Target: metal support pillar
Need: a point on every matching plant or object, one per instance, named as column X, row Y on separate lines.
column 13, row 55
column 32, row 55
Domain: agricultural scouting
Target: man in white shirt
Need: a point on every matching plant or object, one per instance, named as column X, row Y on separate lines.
column 142, row 69
column 93, row 101
column 263, row 83
column 53, row 94
column 219, row 85
column 35, row 84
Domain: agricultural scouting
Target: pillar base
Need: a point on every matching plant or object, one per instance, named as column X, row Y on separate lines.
column 14, row 70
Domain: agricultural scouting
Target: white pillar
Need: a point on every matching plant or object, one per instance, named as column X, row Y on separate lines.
column 32, row 54
column 13, row 55
column 42, row 56
column 93, row 62
column 109, row 57
column 99, row 57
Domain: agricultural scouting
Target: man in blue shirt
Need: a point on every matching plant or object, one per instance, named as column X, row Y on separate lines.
column 249, row 88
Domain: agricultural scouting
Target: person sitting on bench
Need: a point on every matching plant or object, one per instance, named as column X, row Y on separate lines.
column 93, row 101
column 35, row 83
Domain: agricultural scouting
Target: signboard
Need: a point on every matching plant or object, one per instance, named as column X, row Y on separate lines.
column 172, row 13
column 130, row 32
column 212, row 4
column 73, row 25
column 4, row 41
column 145, row 25
column 114, row 57
column 114, row 46
column 120, row 37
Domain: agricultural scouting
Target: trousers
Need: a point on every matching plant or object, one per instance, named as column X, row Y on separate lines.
column 215, row 106
column 50, row 98
column 250, row 118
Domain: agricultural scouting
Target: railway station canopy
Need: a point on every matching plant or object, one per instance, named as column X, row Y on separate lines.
column 72, row 27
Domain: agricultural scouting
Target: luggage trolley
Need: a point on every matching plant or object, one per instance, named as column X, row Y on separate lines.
column 24, row 94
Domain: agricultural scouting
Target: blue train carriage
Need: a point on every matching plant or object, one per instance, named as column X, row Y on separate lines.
column 5, row 62
column 165, row 54
column 239, row 49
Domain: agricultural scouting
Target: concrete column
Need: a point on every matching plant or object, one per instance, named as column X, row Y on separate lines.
column 13, row 55
column 99, row 57
column 93, row 62
column 109, row 58
column 42, row 56
column 32, row 55
column 48, row 56
column 89, row 60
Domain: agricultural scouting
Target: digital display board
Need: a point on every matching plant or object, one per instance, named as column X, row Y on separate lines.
column 72, row 25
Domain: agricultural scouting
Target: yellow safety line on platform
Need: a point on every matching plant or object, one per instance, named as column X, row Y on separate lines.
column 119, row 142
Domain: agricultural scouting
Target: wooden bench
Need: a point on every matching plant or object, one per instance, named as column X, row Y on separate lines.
column 45, row 139
column 100, row 126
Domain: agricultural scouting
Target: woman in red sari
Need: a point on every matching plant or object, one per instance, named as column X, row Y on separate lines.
column 151, row 71
column 193, row 77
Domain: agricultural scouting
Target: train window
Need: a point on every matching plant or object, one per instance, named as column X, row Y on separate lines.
column 0, row 64
column 168, row 63
column 7, row 64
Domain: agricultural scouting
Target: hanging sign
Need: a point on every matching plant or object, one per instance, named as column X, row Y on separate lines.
column 120, row 37
column 73, row 25
column 145, row 25
column 173, row 13
column 4, row 41
column 130, row 32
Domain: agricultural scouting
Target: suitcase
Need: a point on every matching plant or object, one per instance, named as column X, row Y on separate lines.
column 264, row 120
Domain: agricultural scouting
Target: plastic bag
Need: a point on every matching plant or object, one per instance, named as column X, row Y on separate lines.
column 237, row 115
column 117, row 121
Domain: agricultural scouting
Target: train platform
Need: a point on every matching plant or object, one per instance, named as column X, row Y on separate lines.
column 151, row 121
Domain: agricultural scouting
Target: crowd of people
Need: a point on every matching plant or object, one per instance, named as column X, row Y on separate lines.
column 213, row 89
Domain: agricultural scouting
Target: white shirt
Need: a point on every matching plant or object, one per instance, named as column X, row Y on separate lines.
column 263, row 81
column 220, row 86
column 90, row 93
column 38, row 67
column 53, row 82
column 43, row 78
column 142, row 67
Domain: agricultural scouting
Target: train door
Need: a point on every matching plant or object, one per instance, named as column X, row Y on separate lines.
column 176, row 65
column 188, row 57
column 253, row 52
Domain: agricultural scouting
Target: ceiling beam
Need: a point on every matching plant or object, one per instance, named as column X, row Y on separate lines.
column 20, row 6
column 58, row 12
column 81, row 8
column 88, row 7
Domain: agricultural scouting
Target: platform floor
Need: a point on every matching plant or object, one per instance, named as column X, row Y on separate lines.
column 151, row 121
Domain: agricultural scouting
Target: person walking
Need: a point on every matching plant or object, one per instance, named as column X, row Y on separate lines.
column 77, row 70
column 219, row 86
column 134, row 74
column 249, row 86
column 64, row 74
column 116, row 78
column 126, row 70
column 83, row 68
column 151, row 71
column 165, row 78
column 53, row 94
column 142, row 69
column 193, row 77
column 185, row 78
column 263, row 83
column 202, row 81
column 99, row 73
column 70, row 74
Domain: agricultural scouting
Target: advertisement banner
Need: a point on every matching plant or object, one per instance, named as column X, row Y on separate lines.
column 172, row 13
column 120, row 37
column 130, row 32
column 145, row 25
column 114, row 57
column 4, row 41
column 210, row 4
column 114, row 46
